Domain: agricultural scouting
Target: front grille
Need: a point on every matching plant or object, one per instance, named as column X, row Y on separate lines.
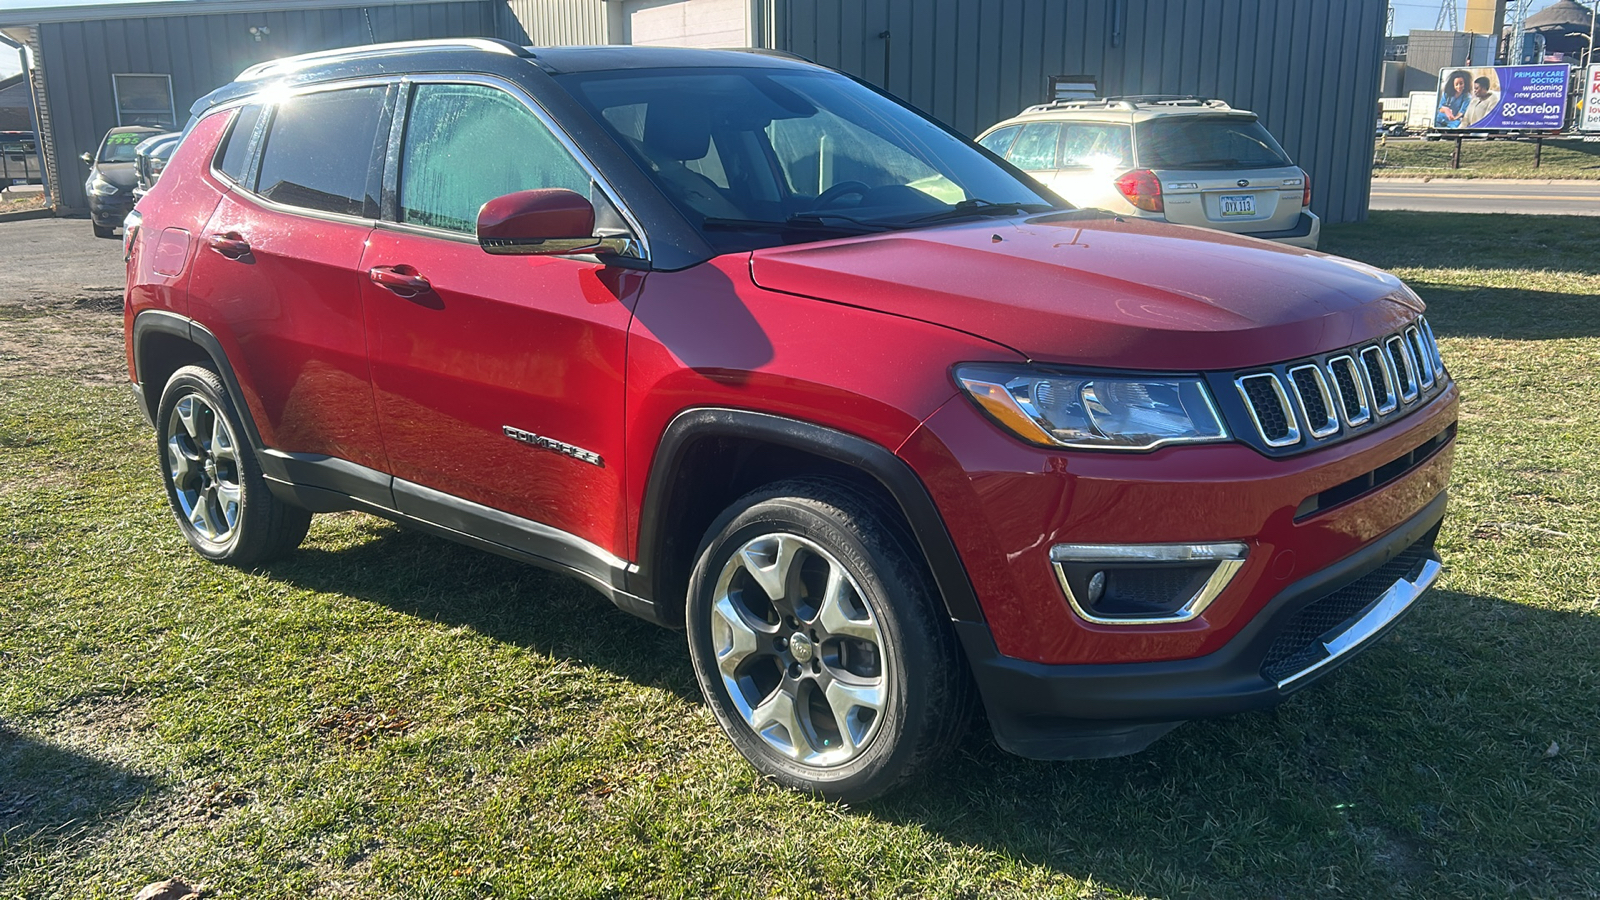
column 1301, row 404
column 1299, row 645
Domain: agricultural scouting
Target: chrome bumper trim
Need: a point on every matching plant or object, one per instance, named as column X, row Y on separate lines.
column 1390, row 605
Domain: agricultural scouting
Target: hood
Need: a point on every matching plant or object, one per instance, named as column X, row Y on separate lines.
column 1092, row 289
column 121, row 174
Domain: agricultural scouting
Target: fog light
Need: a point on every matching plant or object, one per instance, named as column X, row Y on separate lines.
column 1144, row 584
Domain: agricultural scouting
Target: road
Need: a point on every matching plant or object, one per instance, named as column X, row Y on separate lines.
column 1540, row 198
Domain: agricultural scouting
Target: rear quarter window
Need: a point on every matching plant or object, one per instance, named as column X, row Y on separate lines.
column 1208, row 142
column 320, row 152
column 234, row 154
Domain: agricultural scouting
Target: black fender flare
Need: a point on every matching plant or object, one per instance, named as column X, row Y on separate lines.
column 874, row 460
column 158, row 321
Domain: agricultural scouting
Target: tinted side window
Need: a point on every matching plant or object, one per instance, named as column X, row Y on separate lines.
column 1035, row 147
column 319, row 152
column 999, row 142
column 1088, row 145
column 236, row 146
column 465, row 145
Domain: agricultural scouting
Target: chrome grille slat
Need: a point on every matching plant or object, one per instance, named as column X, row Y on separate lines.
column 1347, row 381
column 1379, row 373
column 1274, row 418
column 1433, row 346
column 1315, row 401
column 1404, row 367
column 1424, row 359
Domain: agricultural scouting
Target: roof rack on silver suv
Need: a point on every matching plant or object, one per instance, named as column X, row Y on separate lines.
column 1133, row 101
column 366, row 51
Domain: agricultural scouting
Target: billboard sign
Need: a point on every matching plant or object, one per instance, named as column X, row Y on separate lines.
column 1502, row 98
column 1591, row 100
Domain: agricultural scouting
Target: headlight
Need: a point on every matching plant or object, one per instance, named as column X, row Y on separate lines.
column 1099, row 412
column 102, row 188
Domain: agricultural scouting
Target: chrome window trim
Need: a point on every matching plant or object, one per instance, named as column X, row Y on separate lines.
column 291, row 63
column 1331, row 425
column 1388, row 607
column 1387, row 368
column 403, row 112
column 1293, row 435
column 1419, row 352
column 1362, row 397
column 269, row 100
column 1408, row 379
column 1229, row 557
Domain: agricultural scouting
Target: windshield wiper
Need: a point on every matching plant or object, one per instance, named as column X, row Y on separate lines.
column 800, row 222
column 978, row 207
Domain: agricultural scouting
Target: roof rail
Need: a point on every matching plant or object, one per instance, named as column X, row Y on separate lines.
column 1132, row 101
column 364, row 51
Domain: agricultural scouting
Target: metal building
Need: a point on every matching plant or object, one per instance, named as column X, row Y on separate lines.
column 1310, row 68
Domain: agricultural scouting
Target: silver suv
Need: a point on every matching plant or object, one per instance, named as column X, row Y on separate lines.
column 1184, row 160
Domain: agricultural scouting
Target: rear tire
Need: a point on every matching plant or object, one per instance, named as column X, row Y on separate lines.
column 214, row 484
column 820, row 644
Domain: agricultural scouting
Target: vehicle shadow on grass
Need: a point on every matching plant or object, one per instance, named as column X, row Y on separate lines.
column 1508, row 313
column 1393, row 775
column 50, row 795
column 431, row 578
column 1420, row 766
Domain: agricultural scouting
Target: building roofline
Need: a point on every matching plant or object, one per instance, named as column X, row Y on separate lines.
column 45, row 13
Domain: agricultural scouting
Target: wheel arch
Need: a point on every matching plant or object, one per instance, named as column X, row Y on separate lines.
column 709, row 457
column 164, row 342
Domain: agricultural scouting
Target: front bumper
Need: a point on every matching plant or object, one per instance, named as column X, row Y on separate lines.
column 1309, row 629
column 109, row 211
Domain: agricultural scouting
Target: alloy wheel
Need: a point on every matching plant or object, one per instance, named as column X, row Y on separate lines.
column 798, row 650
column 203, row 461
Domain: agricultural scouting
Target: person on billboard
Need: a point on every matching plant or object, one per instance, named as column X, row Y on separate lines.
column 1453, row 100
column 1484, row 101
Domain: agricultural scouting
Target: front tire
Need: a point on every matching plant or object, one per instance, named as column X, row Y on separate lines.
column 819, row 642
column 214, row 483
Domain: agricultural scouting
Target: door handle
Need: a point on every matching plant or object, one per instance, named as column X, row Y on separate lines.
column 232, row 245
column 403, row 280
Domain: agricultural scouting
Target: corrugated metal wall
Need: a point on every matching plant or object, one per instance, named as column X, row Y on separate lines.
column 1310, row 68
column 204, row 52
column 552, row 23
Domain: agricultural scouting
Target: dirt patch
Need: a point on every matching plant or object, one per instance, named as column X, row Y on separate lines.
column 78, row 337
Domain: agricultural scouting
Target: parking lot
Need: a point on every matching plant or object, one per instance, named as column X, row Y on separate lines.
column 387, row 714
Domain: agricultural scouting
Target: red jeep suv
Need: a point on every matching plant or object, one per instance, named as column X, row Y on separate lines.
column 762, row 353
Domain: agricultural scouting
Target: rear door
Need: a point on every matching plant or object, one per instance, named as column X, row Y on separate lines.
column 1221, row 171
column 276, row 278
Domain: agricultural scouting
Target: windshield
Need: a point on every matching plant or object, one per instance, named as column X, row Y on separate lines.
column 757, row 157
column 1208, row 142
column 120, row 147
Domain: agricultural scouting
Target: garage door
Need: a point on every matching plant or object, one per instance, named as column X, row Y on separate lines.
column 687, row 23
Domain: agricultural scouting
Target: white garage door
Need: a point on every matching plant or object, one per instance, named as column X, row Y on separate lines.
column 687, row 23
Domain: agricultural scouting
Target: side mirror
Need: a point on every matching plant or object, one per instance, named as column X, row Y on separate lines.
column 87, row 157
column 548, row 222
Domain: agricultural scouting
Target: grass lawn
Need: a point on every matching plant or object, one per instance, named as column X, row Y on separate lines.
column 1487, row 159
column 389, row 715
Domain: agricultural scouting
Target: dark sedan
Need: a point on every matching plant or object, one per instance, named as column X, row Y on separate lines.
column 112, row 177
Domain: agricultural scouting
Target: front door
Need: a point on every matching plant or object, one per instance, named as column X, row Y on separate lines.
column 499, row 379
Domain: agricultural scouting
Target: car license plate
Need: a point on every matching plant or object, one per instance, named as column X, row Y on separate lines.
column 1238, row 205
